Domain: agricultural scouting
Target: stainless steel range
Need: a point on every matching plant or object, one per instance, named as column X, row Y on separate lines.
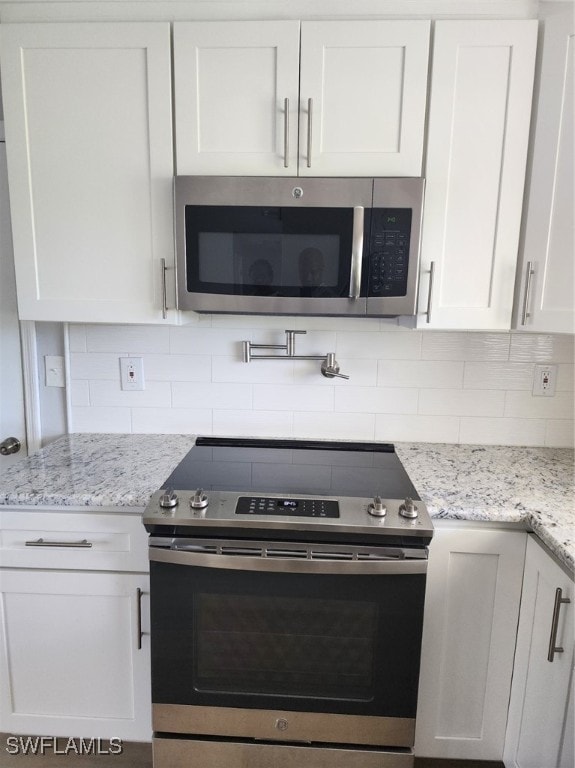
column 287, row 592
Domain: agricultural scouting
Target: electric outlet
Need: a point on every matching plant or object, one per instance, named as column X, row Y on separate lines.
column 545, row 380
column 132, row 373
column 55, row 376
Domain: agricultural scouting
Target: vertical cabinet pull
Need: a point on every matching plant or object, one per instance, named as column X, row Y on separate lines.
column 309, row 130
column 164, row 291
column 139, row 593
column 553, row 648
column 526, row 297
column 430, row 290
column 286, row 133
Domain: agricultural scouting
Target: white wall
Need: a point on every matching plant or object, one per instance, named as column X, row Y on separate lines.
column 405, row 385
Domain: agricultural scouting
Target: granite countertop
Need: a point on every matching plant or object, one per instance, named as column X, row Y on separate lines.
column 459, row 482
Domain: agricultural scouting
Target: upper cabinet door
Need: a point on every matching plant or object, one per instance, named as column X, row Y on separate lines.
column 89, row 143
column 233, row 82
column 546, row 299
column 480, row 106
column 362, row 97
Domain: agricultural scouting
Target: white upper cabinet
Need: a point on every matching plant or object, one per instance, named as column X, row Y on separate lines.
column 356, row 108
column 89, row 143
column 232, row 83
column 480, row 106
column 546, row 299
column 363, row 92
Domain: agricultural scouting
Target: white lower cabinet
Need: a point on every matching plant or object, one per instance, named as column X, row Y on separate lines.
column 540, row 726
column 471, row 613
column 74, row 644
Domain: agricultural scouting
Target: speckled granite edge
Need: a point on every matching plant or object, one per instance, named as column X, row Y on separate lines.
column 457, row 482
column 499, row 484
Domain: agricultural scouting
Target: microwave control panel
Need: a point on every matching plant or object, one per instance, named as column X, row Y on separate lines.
column 389, row 251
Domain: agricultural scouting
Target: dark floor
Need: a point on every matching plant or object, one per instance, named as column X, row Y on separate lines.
column 138, row 756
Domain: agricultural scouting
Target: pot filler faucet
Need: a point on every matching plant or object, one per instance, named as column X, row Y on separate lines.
column 329, row 366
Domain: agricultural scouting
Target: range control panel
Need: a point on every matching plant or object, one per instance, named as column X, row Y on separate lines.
column 262, row 505
column 389, row 251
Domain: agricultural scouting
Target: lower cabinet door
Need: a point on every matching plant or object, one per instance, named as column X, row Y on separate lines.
column 540, row 727
column 469, row 631
column 74, row 654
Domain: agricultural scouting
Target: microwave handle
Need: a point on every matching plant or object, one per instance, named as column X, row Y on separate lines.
column 356, row 253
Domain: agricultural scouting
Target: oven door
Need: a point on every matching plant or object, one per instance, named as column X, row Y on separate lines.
column 317, row 649
column 272, row 245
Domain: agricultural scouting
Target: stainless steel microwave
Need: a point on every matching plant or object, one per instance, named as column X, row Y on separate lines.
column 298, row 246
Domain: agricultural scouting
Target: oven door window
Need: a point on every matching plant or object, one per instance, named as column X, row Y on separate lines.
column 257, row 251
column 343, row 644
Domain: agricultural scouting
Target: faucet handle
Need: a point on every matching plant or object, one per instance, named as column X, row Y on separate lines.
column 330, row 367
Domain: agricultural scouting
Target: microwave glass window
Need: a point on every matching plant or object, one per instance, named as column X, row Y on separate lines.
column 269, row 261
column 255, row 251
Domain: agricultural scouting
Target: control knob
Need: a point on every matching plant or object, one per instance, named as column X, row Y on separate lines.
column 377, row 508
column 168, row 500
column 408, row 509
column 199, row 500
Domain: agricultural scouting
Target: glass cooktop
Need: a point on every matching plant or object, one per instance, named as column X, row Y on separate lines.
column 293, row 467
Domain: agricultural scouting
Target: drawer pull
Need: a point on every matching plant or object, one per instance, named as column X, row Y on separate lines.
column 553, row 648
column 84, row 544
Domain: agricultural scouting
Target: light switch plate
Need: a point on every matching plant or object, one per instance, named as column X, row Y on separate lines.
column 55, row 375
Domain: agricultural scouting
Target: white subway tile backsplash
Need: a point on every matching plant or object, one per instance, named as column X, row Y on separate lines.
column 253, row 423
column 178, row 367
column 542, row 348
column 560, row 433
column 354, row 399
column 419, row 373
column 565, row 377
column 426, row 429
column 524, row 404
column 398, row 344
column 95, row 365
column 465, row 346
column 258, row 371
column 502, row 431
column 127, row 339
column 461, row 402
column 109, row 393
column 292, row 397
column 211, row 395
column 98, row 419
column 172, row 421
column 498, row 375
column 340, row 426
column 405, row 384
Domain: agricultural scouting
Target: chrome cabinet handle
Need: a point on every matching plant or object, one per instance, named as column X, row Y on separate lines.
column 430, row 290
column 139, row 593
column 356, row 253
column 84, row 544
column 286, row 133
column 164, row 291
column 309, row 130
column 553, row 648
column 528, row 276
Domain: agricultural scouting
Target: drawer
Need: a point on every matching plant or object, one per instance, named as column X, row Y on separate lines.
column 95, row 541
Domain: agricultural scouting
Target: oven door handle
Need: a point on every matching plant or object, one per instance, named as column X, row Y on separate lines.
column 288, row 564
